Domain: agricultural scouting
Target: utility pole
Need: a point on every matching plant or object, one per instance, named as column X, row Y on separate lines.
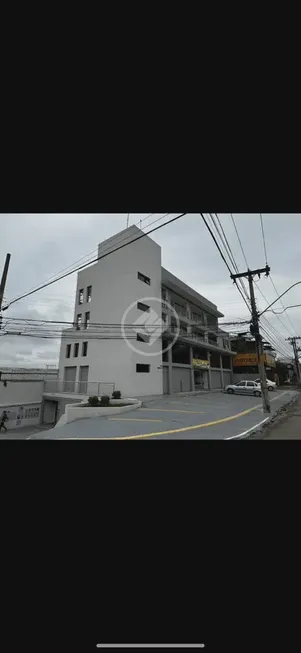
column 296, row 357
column 3, row 282
column 255, row 332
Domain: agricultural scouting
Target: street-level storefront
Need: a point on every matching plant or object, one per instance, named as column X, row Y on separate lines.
column 200, row 373
column 246, row 366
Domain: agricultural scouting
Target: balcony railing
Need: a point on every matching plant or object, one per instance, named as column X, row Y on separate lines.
column 198, row 318
column 180, row 310
column 87, row 388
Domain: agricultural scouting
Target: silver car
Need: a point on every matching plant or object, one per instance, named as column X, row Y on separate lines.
column 244, row 388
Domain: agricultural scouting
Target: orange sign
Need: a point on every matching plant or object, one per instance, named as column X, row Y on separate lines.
column 251, row 360
column 245, row 359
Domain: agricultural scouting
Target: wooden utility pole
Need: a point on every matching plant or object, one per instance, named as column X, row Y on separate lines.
column 255, row 332
column 296, row 349
column 3, row 282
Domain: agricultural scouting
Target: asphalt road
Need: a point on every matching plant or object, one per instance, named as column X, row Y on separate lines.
column 209, row 416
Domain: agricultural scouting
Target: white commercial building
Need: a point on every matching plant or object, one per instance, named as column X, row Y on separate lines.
column 139, row 329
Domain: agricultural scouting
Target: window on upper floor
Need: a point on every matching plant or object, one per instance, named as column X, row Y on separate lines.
column 140, row 367
column 87, row 320
column 81, row 296
column 143, row 278
column 142, row 338
column 75, row 351
column 89, row 293
column 142, row 307
column 68, row 351
column 84, row 349
column 78, row 320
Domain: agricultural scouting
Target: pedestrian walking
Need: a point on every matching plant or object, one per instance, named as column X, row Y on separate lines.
column 3, row 419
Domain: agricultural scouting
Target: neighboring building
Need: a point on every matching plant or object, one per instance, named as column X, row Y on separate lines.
column 21, row 394
column 94, row 355
column 28, row 373
column 245, row 363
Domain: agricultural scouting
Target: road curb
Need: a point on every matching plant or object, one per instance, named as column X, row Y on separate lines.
column 258, row 433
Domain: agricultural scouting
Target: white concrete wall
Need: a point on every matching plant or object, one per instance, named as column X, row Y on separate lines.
column 20, row 415
column 115, row 287
column 21, row 392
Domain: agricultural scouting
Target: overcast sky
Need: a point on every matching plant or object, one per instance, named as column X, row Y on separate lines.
column 44, row 245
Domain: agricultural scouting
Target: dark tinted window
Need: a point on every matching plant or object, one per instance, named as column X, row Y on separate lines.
column 142, row 307
column 84, row 349
column 142, row 368
column 142, row 277
column 142, row 338
column 76, row 346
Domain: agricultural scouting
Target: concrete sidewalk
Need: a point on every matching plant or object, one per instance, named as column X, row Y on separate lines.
column 287, row 426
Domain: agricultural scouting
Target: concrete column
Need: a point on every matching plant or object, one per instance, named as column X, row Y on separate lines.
column 191, row 370
column 221, row 366
column 169, row 354
column 231, row 366
column 209, row 371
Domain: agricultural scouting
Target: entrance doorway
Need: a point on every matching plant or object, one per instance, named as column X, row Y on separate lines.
column 200, row 379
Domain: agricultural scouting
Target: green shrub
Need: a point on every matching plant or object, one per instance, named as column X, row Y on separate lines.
column 116, row 394
column 93, row 401
column 104, row 401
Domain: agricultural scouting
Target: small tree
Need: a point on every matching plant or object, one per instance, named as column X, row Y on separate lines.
column 105, row 401
column 116, row 394
column 93, row 401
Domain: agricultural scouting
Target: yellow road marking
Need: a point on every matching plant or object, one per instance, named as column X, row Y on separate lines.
column 167, row 410
column 132, row 419
column 182, row 430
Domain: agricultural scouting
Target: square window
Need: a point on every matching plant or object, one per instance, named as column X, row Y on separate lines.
column 140, row 367
column 76, row 346
column 84, row 349
column 142, row 307
column 142, row 277
column 142, row 338
column 81, row 296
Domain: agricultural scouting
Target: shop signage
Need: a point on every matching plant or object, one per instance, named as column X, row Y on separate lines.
column 200, row 364
column 244, row 360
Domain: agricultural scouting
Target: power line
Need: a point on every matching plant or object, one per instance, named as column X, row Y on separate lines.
column 278, row 298
column 263, row 238
column 277, row 293
column 45, row 285
column 278, row 318
column 221, row 253
column 238, row 237
column 92, row 252
column 231, row 256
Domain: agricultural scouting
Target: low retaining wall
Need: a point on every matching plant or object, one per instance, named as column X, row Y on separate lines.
column 78, row 411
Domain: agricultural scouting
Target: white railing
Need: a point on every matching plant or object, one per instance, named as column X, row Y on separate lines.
column 89, row 388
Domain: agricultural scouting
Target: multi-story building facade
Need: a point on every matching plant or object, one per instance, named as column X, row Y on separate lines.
column 183, row 349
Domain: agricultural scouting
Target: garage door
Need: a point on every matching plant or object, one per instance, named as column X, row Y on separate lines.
column 216, row 381
column 181, row 379
column 165, row 381
column 227, row 378
column 69, row 379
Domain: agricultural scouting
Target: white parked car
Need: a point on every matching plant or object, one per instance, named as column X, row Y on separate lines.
column 244, row 388
column 271, row 384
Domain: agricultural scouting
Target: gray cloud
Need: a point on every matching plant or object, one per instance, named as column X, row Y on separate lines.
column 44, row 245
